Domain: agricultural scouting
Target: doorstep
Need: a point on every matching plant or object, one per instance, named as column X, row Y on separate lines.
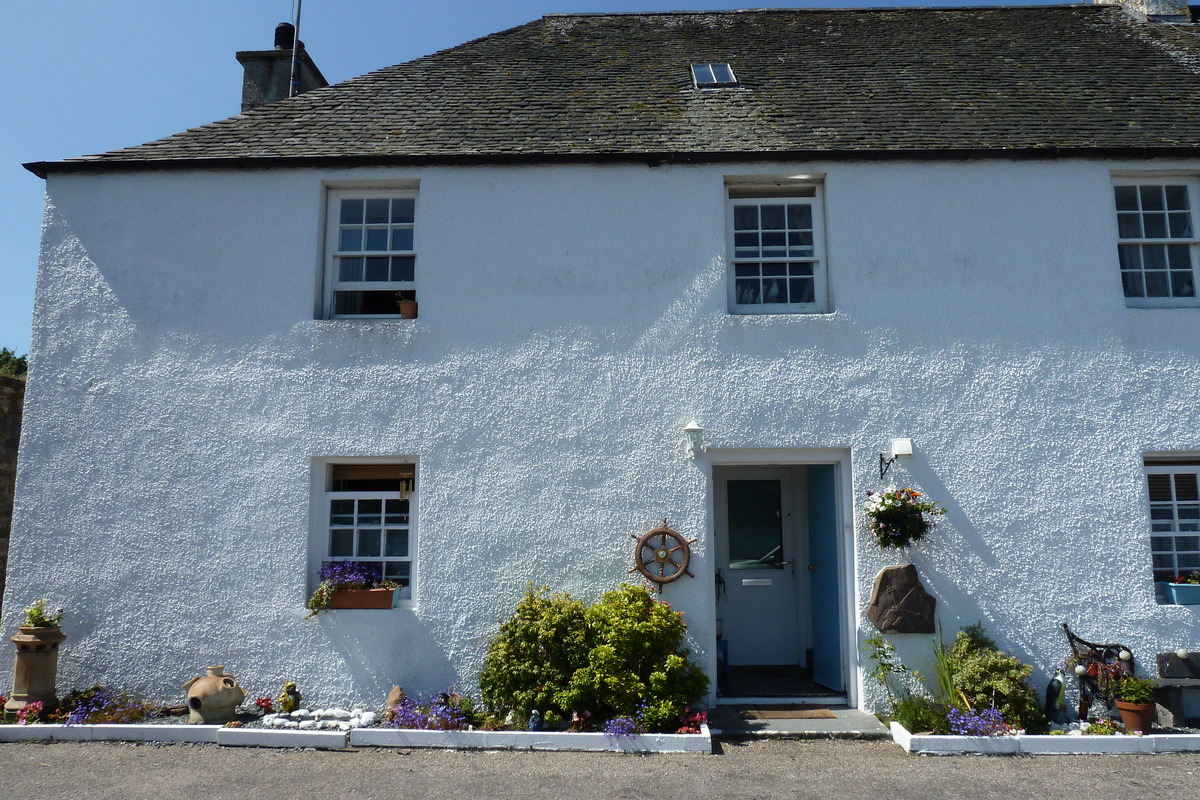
column 846, row 723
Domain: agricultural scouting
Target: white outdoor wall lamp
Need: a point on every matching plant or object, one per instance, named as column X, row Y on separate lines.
column 695, row 438
column 900, row 447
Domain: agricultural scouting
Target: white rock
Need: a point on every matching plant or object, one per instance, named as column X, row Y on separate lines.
column 269, row 718
column 330, row 724
column 337, row 713
column 356, row 712
column 301, row 713
column 368, row 718
column 290, row 724
column 309, row 724
column 343, row 726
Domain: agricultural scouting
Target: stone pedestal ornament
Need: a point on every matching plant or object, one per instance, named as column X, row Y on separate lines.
column 35, row 669
column 213, row 698
column 899, row 603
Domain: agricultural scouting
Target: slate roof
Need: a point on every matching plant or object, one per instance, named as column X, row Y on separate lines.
column 835, row 84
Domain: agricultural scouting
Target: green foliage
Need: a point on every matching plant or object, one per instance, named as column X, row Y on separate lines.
column 943, row 670
column 36, row 616
column 622, row 656
column 534, row 655
column 1135, row 689
column 12, row 365
column 983, row 676
column 888, row 668
column 920, row 714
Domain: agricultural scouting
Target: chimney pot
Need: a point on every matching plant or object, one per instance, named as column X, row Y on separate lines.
column 285, row 34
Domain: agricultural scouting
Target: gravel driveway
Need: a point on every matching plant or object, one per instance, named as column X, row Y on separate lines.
column 844, row 770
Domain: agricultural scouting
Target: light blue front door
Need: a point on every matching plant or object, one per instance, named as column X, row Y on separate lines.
column 824, row 589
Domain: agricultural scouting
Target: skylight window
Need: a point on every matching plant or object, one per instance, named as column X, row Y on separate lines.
column 713, row 76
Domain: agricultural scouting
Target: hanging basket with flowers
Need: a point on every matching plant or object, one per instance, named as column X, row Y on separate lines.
column 899, row 517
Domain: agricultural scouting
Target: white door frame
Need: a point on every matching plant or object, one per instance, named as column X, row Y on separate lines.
column 847, row 558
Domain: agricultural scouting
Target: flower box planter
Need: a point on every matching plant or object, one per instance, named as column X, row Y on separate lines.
column 1184, row 594
column 365, row 598
column 928, row 744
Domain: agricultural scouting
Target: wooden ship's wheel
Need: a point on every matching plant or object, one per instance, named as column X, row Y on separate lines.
column 662, row 554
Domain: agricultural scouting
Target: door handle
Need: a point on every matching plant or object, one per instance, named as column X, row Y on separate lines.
column 812, row 567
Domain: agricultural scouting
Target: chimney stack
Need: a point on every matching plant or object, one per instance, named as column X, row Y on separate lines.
column 268, row 73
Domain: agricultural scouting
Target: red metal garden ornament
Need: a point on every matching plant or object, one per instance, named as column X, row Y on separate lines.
column 662, row 554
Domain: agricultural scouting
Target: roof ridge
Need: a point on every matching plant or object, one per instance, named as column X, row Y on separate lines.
column 826, row 10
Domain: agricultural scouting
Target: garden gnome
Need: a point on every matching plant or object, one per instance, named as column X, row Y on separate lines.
column 213, row 698
column 535, row 720
column 289, row 700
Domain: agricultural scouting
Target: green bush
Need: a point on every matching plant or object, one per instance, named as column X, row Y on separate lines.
column 985, row 676
column 920, row 714
column 622, row 656
column 533, row 656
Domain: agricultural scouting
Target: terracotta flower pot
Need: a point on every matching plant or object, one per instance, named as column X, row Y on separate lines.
column 35, row 669
column 364, row 598
column 1137, row 716
column 408, row 309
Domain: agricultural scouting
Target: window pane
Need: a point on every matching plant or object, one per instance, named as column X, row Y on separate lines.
column 755, row 524
column 396, row 512
column 1160, row 488
column 369, row 512
column 745, row 218
column 772, row 217
column 352, row 212
column 800, row 216
column 341, row 512
column 1155, row 225
column 403, row 268
column 350, row 269
column 1126, row 198
column 1188, row 561
column 1160, row 544
column 722, row 73
column 1177, row 197
column 802, row 290
column 400, row 570
column 377, row 269
column 1181, row 284
column 368, row 543
column 1152, row 198
column 397, row 543
column 403, row 209
column 377, row 239
column 350, row 240
column 1154, row 256
column 746, row 291
column 1181, row 226
column 341, row 543
column 1157, row 285
column 1189, row 543
column 1186, row 487
column 1132, row 284
column 402, row 239
column 1129, row 226
column 377, row 211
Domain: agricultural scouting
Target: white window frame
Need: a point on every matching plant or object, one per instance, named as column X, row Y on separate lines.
column 795, row 193
column 321, row 525
column 1192, row 242
column 1174, row 525
column 333, row 227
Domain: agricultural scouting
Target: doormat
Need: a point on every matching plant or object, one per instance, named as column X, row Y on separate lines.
column 788, row 712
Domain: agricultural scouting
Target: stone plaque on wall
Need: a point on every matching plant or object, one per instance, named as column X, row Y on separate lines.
column 899, row 603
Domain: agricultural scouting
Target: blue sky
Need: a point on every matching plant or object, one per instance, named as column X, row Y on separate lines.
column 84, row 76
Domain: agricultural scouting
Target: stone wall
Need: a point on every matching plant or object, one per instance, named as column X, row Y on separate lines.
column 12, row 396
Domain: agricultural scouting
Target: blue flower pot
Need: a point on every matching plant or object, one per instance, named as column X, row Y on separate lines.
column 1185, row 594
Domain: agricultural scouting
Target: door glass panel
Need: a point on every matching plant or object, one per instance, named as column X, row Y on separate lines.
column 755, row 525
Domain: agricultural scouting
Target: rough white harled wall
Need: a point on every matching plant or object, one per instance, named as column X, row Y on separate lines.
column 572, row 320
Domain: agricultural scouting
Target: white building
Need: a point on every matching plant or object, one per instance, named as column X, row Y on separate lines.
column 970, row 228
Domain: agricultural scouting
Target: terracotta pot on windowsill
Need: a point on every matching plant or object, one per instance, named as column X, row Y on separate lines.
column 365, row 598
column 408, row 309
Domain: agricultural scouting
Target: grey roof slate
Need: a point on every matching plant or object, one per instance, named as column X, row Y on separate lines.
column 1055, row 80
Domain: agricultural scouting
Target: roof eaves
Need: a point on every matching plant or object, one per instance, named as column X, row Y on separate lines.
column 652, row 159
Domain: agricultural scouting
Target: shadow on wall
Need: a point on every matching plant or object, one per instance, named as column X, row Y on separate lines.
column 12, row 399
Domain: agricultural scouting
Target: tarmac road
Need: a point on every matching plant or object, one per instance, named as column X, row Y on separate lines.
column 843, row 770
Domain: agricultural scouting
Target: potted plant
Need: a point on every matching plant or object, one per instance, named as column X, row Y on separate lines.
column 899, row 517
column 406, row 302
column 1185, row 590
column 1134, row 696
column 35, row 670
column 351, row 584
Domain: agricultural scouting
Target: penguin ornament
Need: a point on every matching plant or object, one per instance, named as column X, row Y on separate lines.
column 1056, row 704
